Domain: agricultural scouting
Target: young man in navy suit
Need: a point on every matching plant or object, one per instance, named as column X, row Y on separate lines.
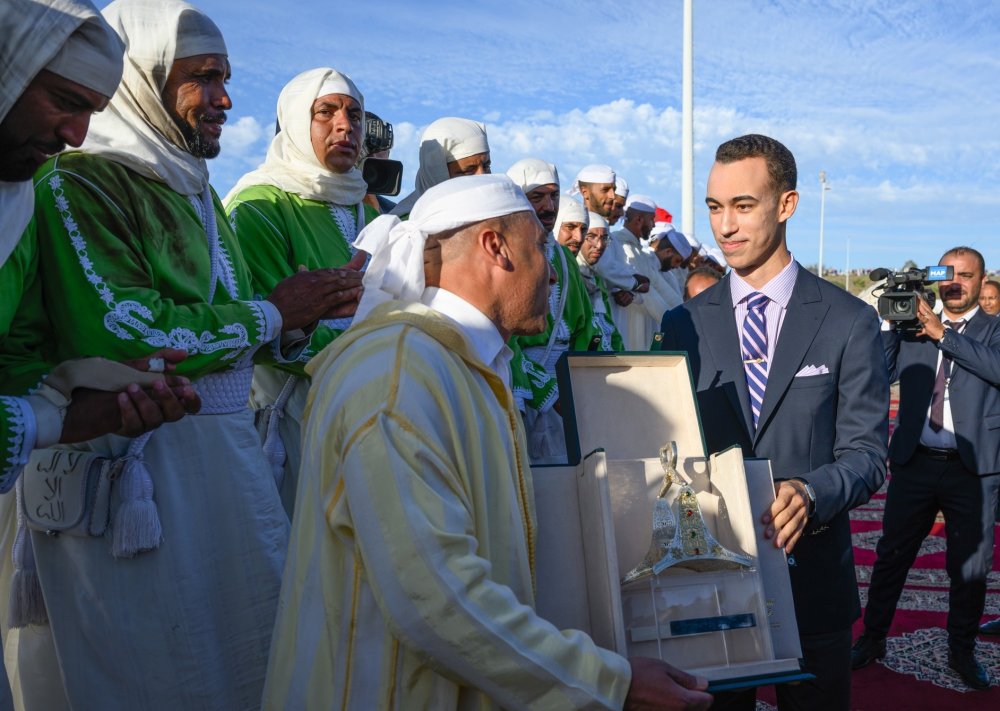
column 945, row 457
column 790, row 368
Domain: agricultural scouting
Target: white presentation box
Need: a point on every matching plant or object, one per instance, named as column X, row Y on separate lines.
column 735, row 626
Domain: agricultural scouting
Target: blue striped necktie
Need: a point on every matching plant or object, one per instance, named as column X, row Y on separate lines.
column 755, row 351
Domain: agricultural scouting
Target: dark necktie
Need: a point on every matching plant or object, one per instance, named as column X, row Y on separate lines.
column 936, row 419
column 755, row 351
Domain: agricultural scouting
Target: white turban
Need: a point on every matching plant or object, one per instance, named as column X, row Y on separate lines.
column 642, row 203
column 136, row 130
column 695, row 244
column 570, row 211
column 396, row 270
column 68, row 38
column 597, row 221
column 621, row 186
column 593, row 173
column 443, row 142
column 715, row 254
column 660, row 229
column 679, row 243
column 291, row 163
column 532, row 173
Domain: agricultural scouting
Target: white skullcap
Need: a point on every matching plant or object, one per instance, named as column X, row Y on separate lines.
column 597, row 221
column 450, row 139
column 338, row 83
column 570, row 211
column 593, row 173
column 679, row 243
column 197, row 34
column 621, row 186
column 531, row 173
column 443, row 142
column 715, row 254
column 661, row 229
column 92, row 57
column 695, row 244
column 396, row 269
column 642, row 203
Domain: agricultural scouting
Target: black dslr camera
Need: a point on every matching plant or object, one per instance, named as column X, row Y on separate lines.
column 378, row 134
column 897, row 300
column 383, row 176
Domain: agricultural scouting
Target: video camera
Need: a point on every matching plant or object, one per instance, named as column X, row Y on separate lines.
column 378, row 134
column 897, row 301
column 383, row 176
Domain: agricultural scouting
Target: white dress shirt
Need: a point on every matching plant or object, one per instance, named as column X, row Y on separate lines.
column 945, row 438
column 486, row 341
column 778, row 290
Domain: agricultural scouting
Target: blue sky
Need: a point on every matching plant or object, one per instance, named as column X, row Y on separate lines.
column 896, row 100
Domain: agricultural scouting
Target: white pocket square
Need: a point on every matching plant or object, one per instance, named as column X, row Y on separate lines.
column 811, row 370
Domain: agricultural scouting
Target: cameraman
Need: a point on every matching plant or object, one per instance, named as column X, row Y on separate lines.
column 945, row 455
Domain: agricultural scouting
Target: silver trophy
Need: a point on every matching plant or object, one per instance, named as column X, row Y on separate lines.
column 688, row 544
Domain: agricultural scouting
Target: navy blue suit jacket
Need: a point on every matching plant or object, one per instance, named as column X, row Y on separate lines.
column 974, row 391
column 830, row 430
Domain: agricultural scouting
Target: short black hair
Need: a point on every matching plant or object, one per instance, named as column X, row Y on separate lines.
column 702, row 271
column 780, row 161
column 960, row 251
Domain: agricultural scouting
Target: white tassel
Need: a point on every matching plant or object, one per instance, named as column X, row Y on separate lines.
column 136, row 528
column 26, row 605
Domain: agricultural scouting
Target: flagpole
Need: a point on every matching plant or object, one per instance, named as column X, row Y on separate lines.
column 687, row 125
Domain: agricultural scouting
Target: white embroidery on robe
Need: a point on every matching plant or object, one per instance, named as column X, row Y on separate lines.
column 15, row 456
column 129, row 313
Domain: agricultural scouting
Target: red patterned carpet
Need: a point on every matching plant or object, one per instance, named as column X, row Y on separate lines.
column 914, row 675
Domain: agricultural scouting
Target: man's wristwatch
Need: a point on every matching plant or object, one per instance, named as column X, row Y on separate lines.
column 810, row 495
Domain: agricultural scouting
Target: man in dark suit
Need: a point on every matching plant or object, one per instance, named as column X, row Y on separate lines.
column 945, row 456
column 790, row 368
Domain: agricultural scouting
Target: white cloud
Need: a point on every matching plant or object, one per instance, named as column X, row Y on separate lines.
column 244, row 136
column 892, row 98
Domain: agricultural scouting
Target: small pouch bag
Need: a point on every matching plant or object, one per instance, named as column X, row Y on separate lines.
column 65, row 491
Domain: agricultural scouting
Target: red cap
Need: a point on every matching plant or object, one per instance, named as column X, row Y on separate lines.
column 663, row 216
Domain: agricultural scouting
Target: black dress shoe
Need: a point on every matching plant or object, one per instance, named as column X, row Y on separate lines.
column 972, row 672
column 866, row 650
column 991, row 627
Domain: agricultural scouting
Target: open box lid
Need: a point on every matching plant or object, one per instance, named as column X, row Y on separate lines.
column 629, row 404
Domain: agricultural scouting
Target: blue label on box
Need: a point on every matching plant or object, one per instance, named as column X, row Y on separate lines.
column 701, row 625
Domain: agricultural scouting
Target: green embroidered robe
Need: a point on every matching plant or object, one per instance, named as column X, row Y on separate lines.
column 532, row 374
column 278, row 231
column 127, row 270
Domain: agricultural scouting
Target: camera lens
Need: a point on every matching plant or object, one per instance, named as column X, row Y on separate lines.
column 901, row 306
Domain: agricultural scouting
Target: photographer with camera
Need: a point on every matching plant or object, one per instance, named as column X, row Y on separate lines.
column 302, row 208
column 944, row 453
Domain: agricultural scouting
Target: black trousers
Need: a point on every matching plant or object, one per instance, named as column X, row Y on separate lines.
column 828, row 657
column 917, row 491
